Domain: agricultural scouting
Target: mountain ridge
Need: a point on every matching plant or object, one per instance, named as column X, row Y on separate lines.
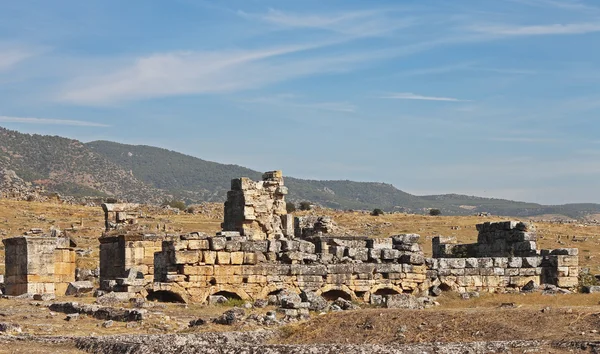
column 145, row 173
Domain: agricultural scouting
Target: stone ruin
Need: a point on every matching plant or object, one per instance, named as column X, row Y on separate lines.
column 258, row 254
column 257, row 210
column 504, row 258
column 117, row 215
column 39, row 264
column 263, row 251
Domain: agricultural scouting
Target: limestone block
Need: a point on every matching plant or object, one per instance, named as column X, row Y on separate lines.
column 500, row 262
column 361, row 254
column 337, row 251
column 306, row 247
column 375, row 254
column 563, row 271
column 390, row 254
column 380, row 243
column 187, row 257
column 217, row 243
column 512, row 271
column 363, row 268
column 289, row 245
column 249, row 258
column 457, row 271
column 567, row 261
column 255, row 246
column 405, row 238
column 515, row 262
column 325, row 258
column 388, row 268
column 471, row 271
column 486, row 271
column 568, row 282
column 413, row 258
column 338, row 279
column 274, row 246
column 527, row 272
column 237, row 258
column 531, row 262
column 573, row 271
column 223, row 257
column 471, row 263
column 209, row 257
column 300, row 269
column 198, row 245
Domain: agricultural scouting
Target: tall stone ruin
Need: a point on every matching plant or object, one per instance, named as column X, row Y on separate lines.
column 258, row 209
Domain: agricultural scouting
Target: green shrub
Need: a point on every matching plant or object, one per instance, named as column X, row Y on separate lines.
column 290, row 207
column 435, row 212
column 305, row 206
column 377, row 212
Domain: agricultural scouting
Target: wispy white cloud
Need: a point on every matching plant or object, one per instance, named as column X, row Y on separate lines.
column 291, row 101
column 49, row 121
column 361, row 23
column 532, row 140
column 12, row 56
column 412, row 96
column 574, row 5
column 537, row 30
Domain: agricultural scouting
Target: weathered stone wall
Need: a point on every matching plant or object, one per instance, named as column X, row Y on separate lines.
column 119, row 214
column 197, row 267
column 499, row 239
column 257, row 209
column 38, row 265
column 127, row 261
column 505, row 258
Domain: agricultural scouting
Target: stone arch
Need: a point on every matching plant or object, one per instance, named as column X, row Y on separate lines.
column 271, row 288
column 165, row 296
column 329, row 288
column 241, row 293
column 171, row 290
column 386, row 289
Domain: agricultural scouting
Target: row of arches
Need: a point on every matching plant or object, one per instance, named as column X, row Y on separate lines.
column 328, row 292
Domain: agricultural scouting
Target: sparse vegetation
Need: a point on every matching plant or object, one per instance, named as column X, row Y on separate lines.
column 290, row 207
column 177, row 204
column 304, row 206
column 435, row 212
column 377, row 212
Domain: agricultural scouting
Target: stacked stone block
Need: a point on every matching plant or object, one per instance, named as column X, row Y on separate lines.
column 119, row 214
column 258, row 209
column 505, row 258
column 198, row 267
column 38, row 265
column 127, row 262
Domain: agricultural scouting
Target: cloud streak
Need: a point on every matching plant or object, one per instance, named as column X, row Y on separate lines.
column 363, row 23
column 11, row 57
column 48, row 121
column 538, row 30
column 412, row 96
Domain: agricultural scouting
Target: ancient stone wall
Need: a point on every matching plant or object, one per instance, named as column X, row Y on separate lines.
column 127, row 261
column 499, row 239
column 505, row 258
column 257, row 209
column 38, row 265
column 355, row 268
column 119, row 214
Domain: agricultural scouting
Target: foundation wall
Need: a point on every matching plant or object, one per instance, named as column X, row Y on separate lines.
column 358, row 267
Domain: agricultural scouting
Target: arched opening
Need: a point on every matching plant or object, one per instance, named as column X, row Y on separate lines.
column 164, row 296
column 333, row 295
column 275, row 292
column 386, row 291
column 445, row 287
column 228, row 294
column 360, row 294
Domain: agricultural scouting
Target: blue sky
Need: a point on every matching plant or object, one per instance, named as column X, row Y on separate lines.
column 495, row 98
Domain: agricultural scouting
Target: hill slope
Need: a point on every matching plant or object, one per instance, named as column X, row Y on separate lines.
column 150, row 174
column 67, row 166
